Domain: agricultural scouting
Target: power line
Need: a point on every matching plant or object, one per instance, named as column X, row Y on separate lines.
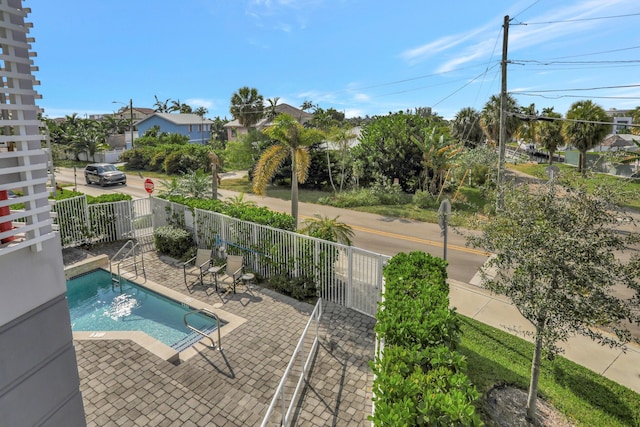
column 575, row 96
column 562, row 119
column 598, row 53
column 463, row 86
column 581, row 89
column 627, row 15
column 534, row 61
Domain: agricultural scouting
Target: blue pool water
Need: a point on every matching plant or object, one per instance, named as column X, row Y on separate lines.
column 97, row 305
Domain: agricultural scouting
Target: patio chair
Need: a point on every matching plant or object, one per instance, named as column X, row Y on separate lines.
column 195, row 268
column 231, row 272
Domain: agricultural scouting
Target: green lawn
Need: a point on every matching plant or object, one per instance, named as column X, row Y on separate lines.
column 586, row 398
column 629, row 187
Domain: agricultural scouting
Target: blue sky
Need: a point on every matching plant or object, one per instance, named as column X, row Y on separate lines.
column 357, row 56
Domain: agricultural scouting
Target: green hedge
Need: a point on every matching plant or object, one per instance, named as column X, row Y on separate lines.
column 173, row 241
column 259, row 215
column 420, row 377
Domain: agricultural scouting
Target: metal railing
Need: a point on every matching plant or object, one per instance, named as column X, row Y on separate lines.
column 280, row 396
column 132, row 256
column 204, row 334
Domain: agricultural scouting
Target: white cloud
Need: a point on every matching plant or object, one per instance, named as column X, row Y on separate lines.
column 199, row 102
column 363, row 97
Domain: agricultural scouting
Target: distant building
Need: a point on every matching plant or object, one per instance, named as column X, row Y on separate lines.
column 235, row 129
column 197, row 128
column 621, row 119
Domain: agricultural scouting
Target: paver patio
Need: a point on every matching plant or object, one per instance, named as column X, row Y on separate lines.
column 124, row 384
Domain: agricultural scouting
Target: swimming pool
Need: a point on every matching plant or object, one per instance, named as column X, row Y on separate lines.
column 96, row 304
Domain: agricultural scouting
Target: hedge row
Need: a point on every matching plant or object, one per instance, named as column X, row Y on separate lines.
column 259, row 215
column 420, row 376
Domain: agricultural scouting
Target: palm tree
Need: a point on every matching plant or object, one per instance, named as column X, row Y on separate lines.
column 550, row 132
column 581, row 131
column 161, row 106
column 271, row 109
column 201, row 111
column 292, row 140
column 329, row 229
column 490, row 118
column 466, row 128
column 247, row 106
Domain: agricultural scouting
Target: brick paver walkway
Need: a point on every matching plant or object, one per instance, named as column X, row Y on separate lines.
column 125, row 385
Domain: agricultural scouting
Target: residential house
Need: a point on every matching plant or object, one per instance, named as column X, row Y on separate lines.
column 197, row 128
column 39, row 381
column 235, row 129
column 138, row 113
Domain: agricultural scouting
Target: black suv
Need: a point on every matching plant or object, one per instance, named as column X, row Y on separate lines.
column 103, row 174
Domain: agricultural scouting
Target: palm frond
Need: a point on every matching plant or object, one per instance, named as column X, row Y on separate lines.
column 270, row 161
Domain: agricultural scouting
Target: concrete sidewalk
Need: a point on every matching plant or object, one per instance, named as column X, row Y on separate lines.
column 620, row 366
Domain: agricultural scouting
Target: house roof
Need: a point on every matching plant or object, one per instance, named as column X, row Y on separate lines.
column 179, row 119
column 620, row 140
column 147, row 111
column 296, row 113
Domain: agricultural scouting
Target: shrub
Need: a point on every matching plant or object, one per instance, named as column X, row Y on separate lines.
column 424, row 200
column 420, row 376
column 173, row 241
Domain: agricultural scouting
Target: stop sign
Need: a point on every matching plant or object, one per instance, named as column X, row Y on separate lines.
column 148, row 185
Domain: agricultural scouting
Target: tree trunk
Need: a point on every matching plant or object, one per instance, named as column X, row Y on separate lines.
column 535, row 375
column 330, row 174
column 294, row 189
column 214, row 181
column 551, row 157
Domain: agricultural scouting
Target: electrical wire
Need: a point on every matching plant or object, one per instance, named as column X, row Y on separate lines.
column 627, row 15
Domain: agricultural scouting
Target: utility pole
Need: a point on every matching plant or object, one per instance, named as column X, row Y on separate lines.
column 503, row 118
column 131, row 124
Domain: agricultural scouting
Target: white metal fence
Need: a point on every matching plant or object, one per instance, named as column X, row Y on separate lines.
column 345, row 275
column 79, row 222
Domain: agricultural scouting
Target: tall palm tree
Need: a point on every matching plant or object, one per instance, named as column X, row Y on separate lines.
column 550, row 132
column 466, row 128
column 271, row 109
column 581, row 132
column 329, row 229
column 201, row 111
column 438, row 153
column 161, row 106
column 292, row 140
column 247, row 106
column 490, row 118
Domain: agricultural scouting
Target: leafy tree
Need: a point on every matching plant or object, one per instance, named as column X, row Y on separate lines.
column 490, row 118
column 219, row 133
column 326, row 119
column 341, row 136
column 292, row 141
column 307, row 105
column 387, row 148
column 329, row 229
column 247, row 106
column 466, row 128
column 550, row 132
column 438, row 152
column 557, row 258
column 581, row 132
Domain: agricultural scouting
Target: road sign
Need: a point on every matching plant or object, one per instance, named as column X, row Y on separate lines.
column 148, row 185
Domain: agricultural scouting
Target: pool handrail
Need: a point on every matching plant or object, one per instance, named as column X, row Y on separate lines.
column 134, row 246
column 204, row 334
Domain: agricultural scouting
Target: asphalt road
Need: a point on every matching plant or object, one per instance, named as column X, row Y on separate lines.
column 375, row 233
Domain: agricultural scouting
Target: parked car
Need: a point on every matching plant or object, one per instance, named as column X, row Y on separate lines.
column 103, row 174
